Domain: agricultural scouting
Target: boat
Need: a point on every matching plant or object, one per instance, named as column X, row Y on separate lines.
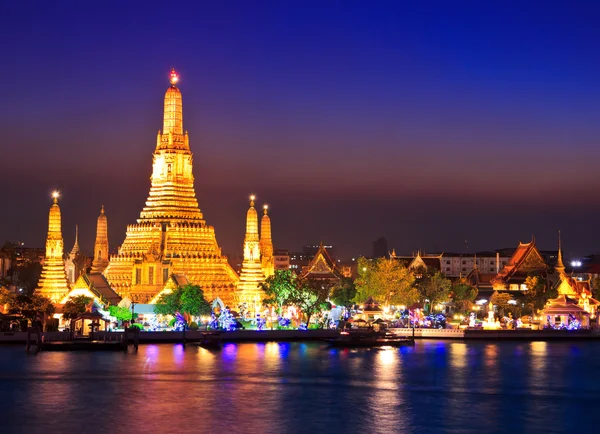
column 369, row 340
column 210, row 341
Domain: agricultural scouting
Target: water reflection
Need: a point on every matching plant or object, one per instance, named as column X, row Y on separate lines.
column 303, row 387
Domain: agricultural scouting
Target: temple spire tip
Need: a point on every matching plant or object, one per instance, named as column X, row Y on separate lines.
column 174, row 78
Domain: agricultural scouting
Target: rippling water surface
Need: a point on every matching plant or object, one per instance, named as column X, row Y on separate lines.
column 304, row 387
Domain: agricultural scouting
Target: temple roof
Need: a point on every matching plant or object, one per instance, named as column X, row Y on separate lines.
column 563, row 305
column 526, row 258
column 98, row 284
column 477, row 278
column 321, row 266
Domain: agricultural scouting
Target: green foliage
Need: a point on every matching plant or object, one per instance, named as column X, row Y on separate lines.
column 75, row 305
column 138, row 325
column 121, row 313
column 344, row 292
column 501, row 301
column 188, row 299
column 463, row 295
column 279, row 289
column 387, row 281
column 435, row 288
column 309, row 295
column 194, row 325
column 172, row 322
column 29, row 306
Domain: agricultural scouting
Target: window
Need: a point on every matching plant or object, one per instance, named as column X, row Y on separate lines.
column 169, row 168
column 464, row 262
column 151, row 275
column 138, row 276
column 165, row 275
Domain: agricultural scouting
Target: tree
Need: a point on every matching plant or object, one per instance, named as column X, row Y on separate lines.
column 385, row 280
column 6, row 297
column 279, row 289
column 536, row 294
column 463, row 295
column 435, row 288
column 75, row 305
column 121, row 313
column 309, row 295
column 501, row 300
column 29, row 306
column 343, row 292
column 187, row 300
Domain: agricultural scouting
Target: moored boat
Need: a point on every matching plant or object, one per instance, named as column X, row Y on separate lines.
column 367, row 340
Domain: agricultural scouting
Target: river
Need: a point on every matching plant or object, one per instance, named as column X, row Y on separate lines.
column 451, row 387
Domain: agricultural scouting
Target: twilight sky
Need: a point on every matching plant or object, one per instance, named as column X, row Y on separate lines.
column 429, row 124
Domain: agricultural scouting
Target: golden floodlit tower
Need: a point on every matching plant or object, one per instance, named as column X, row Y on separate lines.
column 266, row 244
column 53, row 281
column 171, row 236
column 101, row 245
column 252, row 274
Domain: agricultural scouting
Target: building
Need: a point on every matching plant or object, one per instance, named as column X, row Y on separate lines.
column 95, row 286
column 281, row 259
column 460, row 264
column 430, row 264
column 571, row 290
column 252, row 275
column 101, row 245
column 76, row 261
column 266, row 244
column 171, row 235
column 380, row 248
column 53, row 282
column 322, row 268
column 526, row 260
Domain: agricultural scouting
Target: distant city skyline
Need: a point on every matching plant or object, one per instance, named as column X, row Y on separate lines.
column 428, row 126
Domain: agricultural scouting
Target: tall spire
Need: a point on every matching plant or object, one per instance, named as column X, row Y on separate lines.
column 173, row 115
column 266, row 244
column 252, row 274
column 560, row 267
column 101, row 245
column 53, row 280
column 252, row 222
column 75, row 250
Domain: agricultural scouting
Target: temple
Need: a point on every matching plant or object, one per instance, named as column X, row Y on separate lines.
column 266, row 244
column 101, row 245
column 527, row 259
column 574, row 298
column 322, row 268
column 53, row 281
column 171, row 236
column 252, row 274
column 75, row 264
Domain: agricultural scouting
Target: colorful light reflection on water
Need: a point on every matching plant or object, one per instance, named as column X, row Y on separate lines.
column 304, row 387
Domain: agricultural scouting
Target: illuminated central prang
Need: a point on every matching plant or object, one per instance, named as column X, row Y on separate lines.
column 171, row 236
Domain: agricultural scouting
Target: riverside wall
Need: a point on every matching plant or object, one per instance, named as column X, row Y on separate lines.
column 317, row 335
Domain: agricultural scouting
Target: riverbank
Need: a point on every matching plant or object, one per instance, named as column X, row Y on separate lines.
column 317, row 335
